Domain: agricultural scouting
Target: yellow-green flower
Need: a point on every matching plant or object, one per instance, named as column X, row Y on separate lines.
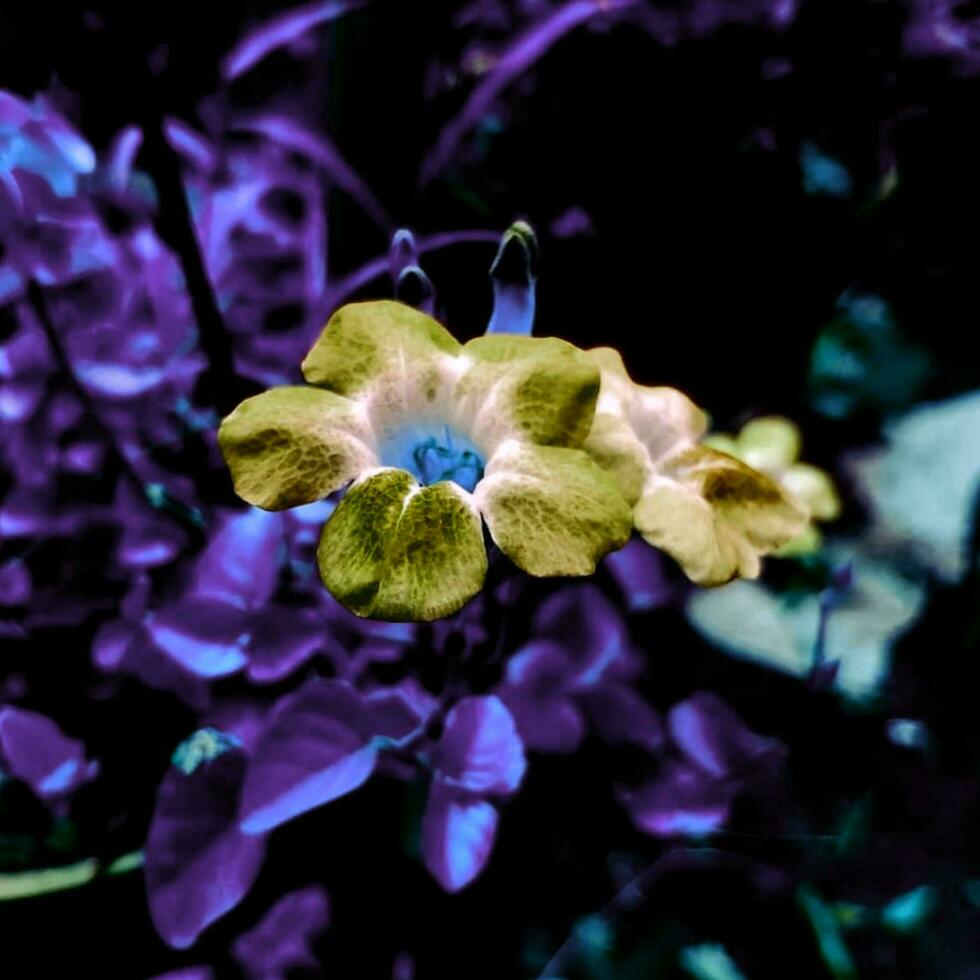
column 437, row 437
column 772, row 445
column 712, row 513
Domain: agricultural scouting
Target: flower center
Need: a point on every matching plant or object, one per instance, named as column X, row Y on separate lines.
column 433, row 454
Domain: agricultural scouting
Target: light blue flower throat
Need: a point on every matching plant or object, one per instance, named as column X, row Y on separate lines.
column 433, row 453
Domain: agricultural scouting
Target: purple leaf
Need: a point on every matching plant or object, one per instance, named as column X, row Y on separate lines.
column 620, row 716
column 241, row 562
column 316, row 747
column 639, row 571
column 457, row 836
column 480, row 750
column 281, row 941
column 199, row 865
column 714, row 738
column 546, row 724
column 282, row 639
column 284, row 29
column 681, row 801
column 205, row 636
column 34, row 749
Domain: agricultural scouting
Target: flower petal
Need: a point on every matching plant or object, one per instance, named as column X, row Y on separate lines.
column 613, row 444
column 363, row 341
column 537, row 389
column 293, row 445
column 552, row 511
column 715, row 515
column 315, row 749
column 394, row 550
column 457, row 836
column 663, row 419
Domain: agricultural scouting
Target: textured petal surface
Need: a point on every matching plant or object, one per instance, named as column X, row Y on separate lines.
column 293, row 445
column 315, row 748
column 394, row 550
column 364, row 341
column 537, row 389
column 552, row 511
column 457, row 836
column 715, row 515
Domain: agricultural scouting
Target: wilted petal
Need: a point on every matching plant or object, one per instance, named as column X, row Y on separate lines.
column 480, row 750
column 33, row 748
column 281, row 942
column 552, row 511
column 315, row 748
column 199, row 865
column 294, row 445
column 715, row 516
column 393, row 550
column 457, row 836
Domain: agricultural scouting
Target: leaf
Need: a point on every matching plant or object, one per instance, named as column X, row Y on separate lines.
column 923, row 485
column 199, row 865
column 316, row 747
column 750, row 620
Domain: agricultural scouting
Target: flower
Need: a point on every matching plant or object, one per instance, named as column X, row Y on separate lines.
column 710, row 512
column 771, row 444
column 435, row 435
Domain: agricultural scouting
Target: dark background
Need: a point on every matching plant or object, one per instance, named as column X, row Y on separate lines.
column 712, row 271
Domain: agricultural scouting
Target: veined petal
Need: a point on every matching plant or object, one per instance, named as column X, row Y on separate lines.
column 552, row 511
column 715, row 515
column 293, row 445
column 613, row 444
column 661, row 419
column 537, row 389
column 396, row 551
column 363, row 341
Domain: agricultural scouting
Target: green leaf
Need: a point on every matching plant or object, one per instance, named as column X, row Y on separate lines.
column 552, row 511
column 750, row 620
column 291, row 446
column 396, row 551
column 923, row 485
column 830, row 941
